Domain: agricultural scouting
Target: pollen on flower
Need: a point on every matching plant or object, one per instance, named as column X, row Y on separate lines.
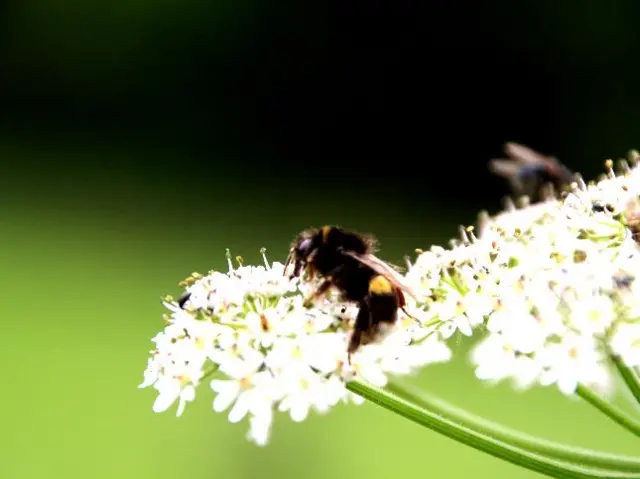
column 264, row 323
column 309, row 327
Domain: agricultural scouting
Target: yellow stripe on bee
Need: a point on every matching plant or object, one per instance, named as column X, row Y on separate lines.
column 380, row 285
column 325, row 233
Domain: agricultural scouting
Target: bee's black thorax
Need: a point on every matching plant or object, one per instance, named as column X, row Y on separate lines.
column 353, row 280
column 328, row 243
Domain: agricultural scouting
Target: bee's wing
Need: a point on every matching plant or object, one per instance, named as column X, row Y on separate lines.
column 509, row 170
column 525, row 155
column 504, row 167
column 395, row 267
column 385, row 269
column 564, row 174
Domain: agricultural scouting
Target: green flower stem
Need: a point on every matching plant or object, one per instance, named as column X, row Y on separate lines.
column 615, row 413
column 571, row 454
column 479, row 441
column 629, row 376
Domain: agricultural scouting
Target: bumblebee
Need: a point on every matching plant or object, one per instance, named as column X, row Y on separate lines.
column 530, row 173
column 345, row 260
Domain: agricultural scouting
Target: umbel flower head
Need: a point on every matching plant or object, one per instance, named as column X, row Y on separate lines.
column 550, row 288
column 249, row 330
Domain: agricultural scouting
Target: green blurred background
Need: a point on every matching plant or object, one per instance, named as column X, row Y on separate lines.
column 139, row 139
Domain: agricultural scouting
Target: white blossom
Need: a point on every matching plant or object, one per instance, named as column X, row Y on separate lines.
column 625, row 342
column 550, row 290
column 568, row 294
column 266, row 351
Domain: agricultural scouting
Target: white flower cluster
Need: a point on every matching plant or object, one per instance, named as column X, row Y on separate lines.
column 551, row 286
column 265, row 350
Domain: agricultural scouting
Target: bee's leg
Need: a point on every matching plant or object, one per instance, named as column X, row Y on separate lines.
column 311, row 272
column 287, row 265
column 402, row 303
column 409, row 315
column 324, row 286
column 308, row 264
column 318, row 293
column 354, row 343
column 362, row 325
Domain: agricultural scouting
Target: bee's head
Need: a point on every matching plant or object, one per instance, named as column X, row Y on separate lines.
column 304, row 248
column 302, row 252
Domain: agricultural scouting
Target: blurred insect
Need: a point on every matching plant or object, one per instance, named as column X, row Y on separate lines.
column 345, row 260
column 631, row 218
column 623, row 280
column 530, row 173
